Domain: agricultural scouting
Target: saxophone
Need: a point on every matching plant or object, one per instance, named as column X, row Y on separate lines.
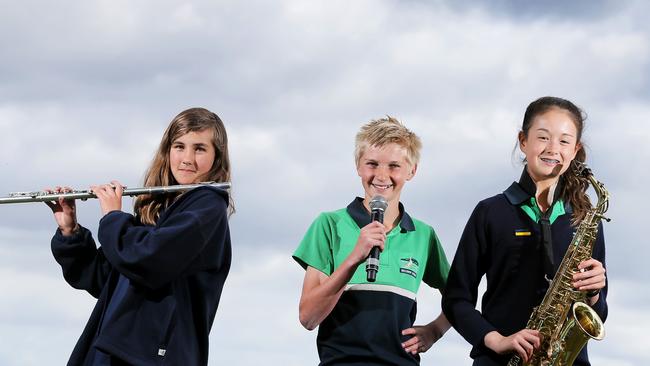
column 564, row 321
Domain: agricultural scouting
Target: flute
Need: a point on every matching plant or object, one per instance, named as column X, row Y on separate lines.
column 41, row 196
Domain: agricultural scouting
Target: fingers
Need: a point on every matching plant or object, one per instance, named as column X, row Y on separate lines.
column 590, row 275
column 409, row 331
column 374, row 234
column 109, row 195
column 420, row 341
column 413, row 345
column 59, row 204
column 525, row 342
column 119, row 188
column 113, row 189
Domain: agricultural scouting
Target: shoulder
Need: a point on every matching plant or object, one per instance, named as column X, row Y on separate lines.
column 332, row 216
column 202, row 200
column 491, row 210
column 421, row 226
column 498, row 202
column 204, row 195
column 494, row 201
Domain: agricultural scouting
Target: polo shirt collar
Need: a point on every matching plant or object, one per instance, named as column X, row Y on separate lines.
column 522, row 191
column 361, row 216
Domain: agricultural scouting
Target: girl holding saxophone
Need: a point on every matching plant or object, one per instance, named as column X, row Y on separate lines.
column 518, row 238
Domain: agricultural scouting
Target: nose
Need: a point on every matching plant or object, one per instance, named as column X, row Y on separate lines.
column 552, row 147
column 188, row 158
column 381, row 173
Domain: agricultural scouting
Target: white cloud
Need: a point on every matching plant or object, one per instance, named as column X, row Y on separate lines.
column 88, row 89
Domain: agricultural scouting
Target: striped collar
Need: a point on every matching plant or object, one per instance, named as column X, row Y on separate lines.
column 361, row 217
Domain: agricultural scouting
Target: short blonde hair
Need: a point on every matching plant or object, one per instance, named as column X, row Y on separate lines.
column 381, row 132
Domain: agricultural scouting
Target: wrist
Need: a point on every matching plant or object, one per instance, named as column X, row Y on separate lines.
column 491, row 339
column 69, row 231
column 592, row 293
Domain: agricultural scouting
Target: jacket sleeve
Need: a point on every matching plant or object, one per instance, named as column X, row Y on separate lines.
column 84, row 265
column 153, row 256
column 599, row 253
column 467, row 269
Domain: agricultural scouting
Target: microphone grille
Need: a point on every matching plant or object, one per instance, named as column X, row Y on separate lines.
column 378, row 203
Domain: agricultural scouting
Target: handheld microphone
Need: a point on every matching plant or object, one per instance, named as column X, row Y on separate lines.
column 378, row 206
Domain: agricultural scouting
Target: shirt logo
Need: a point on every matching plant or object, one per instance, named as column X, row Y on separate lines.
column 409, row 266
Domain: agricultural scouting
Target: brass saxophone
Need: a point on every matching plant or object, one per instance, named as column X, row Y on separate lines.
column 564, row 321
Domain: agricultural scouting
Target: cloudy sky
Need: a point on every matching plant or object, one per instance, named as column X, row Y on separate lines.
column 87, row 88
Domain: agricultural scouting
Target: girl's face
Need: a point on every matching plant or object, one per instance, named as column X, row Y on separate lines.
column 191, row 156
column 551, row 145
column 384, row 170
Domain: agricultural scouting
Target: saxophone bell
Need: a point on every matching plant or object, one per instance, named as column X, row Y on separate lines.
column 583, row 324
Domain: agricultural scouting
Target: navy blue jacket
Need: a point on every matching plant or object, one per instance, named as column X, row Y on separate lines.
column 514, row 269
column 168, row 277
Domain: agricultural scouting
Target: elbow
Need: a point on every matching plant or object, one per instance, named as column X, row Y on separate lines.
column 307, row 324
column 307, row 321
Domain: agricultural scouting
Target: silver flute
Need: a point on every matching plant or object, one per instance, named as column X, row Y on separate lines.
column 42, row 196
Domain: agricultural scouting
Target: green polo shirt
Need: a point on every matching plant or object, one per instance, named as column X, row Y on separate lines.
column 367, row 321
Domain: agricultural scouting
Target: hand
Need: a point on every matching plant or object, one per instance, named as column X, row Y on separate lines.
column 65, row 211
column 590, row 276
column 373, row 234
column 109, row 195
column 425, row 336
column 524, row 342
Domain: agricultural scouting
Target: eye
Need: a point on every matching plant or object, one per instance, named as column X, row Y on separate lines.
column 565, row 142
column 542, row 138
column 394, row 166
column 372, row 164
column 177, row 146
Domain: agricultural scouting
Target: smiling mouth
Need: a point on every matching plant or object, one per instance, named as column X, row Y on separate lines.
column 382, row 186
column 550, row 161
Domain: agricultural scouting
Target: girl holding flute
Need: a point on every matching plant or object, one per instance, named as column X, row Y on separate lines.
column 158, row 274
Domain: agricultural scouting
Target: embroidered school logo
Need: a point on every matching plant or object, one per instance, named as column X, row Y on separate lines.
column 409, row 266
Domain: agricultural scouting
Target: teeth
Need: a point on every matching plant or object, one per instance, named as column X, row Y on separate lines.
column 551, row 161
column 382, row 187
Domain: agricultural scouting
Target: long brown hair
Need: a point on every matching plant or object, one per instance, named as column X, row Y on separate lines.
column 575, row 186
column 148, row 207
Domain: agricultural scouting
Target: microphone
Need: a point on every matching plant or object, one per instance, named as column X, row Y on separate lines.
column 378, row 206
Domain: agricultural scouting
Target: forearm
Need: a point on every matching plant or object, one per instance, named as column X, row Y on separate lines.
column 82, row 264
column 318, row 301
column 439, row 326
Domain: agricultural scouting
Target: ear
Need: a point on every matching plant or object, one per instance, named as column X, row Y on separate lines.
column 578, row 148
column 411, row 174
column 522, row 140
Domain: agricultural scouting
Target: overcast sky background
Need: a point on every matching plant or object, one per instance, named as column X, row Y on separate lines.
column 87, row 88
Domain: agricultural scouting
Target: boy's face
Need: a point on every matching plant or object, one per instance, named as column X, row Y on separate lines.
column 384, row 170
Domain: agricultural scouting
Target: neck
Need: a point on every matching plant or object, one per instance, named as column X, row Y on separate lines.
column 545, row 191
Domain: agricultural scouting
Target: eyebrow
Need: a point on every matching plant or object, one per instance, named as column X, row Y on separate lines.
column 546, row 130
column 367, row 160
